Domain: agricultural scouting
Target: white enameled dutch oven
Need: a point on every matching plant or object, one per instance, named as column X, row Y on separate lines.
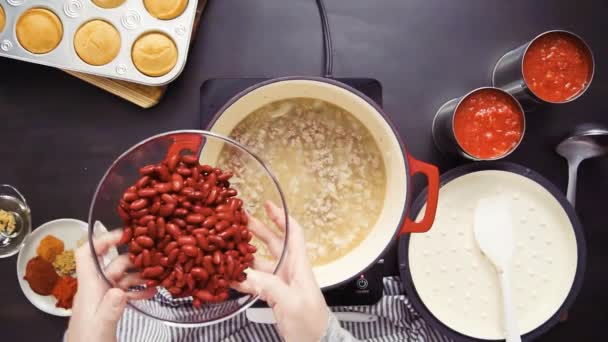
column 399, row 165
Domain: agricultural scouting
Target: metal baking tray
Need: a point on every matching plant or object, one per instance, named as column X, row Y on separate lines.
column 131, row 19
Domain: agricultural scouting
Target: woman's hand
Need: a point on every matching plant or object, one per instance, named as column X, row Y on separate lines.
column 97, row 306
column 293, row 294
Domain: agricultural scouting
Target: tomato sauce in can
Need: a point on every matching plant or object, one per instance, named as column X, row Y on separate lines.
column 557, row 66
column 488, row 123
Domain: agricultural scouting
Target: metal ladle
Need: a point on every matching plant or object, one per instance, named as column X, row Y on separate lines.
column 588, row 141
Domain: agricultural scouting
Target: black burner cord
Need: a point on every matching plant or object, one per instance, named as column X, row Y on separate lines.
column 326, row 40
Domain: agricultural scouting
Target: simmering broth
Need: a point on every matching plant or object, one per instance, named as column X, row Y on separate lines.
column 328, row 165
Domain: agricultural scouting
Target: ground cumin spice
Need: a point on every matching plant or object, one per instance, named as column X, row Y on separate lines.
column 64, row 291
column 49, row 248
column 41, row 276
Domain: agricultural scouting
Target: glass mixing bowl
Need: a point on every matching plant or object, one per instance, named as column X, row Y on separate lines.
column 211, row 149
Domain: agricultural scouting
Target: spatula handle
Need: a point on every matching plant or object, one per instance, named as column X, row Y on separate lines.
column 512, row 330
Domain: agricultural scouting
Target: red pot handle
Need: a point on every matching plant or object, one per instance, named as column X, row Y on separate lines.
column 185, row 141
column 432, row 175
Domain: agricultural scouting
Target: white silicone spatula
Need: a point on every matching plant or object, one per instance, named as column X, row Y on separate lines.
column 494, row 234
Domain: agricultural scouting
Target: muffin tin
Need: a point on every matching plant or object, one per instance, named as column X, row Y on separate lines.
column 131, row 19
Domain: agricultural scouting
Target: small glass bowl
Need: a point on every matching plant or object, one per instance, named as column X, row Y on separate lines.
column 124, row 172
column 13, row 202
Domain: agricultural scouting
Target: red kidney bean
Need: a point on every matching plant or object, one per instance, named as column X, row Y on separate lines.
column 147, row 170
column 134, row 247
column 168, row 199
column 179, row 272
column 217, row 257
column 143, row 221
column 205, row 189
column 163, row 187
column 222, row 225
column 202, row 241
column 163, row 173
column 142, row 182
column 211, row 179
column 184, row 171
column 123, row 214
column 248, row 257
column 145, row 241
column 129, row 196
column 152, row 229
column 160, row 227
column 225, row 176
column 139, row 213
column 176, row 291
column 139, row 204
column 196, row 303
column 190, row 159
column 201, row 231
column 127, row 234
column 138, row 262
column 204, row 296
column 147, row 192
column 173, row 161
column 167, row 283
column 190, row 250
column 204, row 168
column 181, row 212
column 225, row 215
column 179, row 222
column 186, row 204
column 222, row 283
column 206, row 211
column 181, row 257
column 170, row 246
column 222, row 207
column 195, row 174
column 152, row 272
column 187, row 240
column 147, row 258
column 166, row 209
column 177, row 182
column 174, row 230
column 190, row 282
column 155, row 207
column 194, row 218
column 151, row 283
column 197, row 209
column 172, row 256
column 213, row 194
column 230, row 245
column 140, row 231
column 216, row 240
column 231, row 193
column 244, row 219
column 164, row 261
column 199, row 273
column 208, row 264
column 242, row 247
column 229, row 266
column 187, row 191
column 188, row 265
column 210, row 222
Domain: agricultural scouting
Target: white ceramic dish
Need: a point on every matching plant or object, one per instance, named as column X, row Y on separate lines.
column 458, row 285
column 70, row 231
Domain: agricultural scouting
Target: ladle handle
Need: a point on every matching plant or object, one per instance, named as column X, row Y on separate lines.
column 572, row 175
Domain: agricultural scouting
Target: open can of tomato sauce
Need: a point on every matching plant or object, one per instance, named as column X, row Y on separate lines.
column 553, row 68
column 486, row 124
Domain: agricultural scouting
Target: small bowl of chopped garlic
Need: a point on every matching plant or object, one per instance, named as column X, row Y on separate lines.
column 15, row 220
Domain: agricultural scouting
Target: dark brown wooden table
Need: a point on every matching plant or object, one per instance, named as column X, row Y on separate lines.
column 60, row 134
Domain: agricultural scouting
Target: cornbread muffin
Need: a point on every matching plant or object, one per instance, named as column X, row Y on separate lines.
column 166, row 9
column 2, row 18
column 108, row 3
column 154, row 54
column 39, row 30
column 97, row 42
